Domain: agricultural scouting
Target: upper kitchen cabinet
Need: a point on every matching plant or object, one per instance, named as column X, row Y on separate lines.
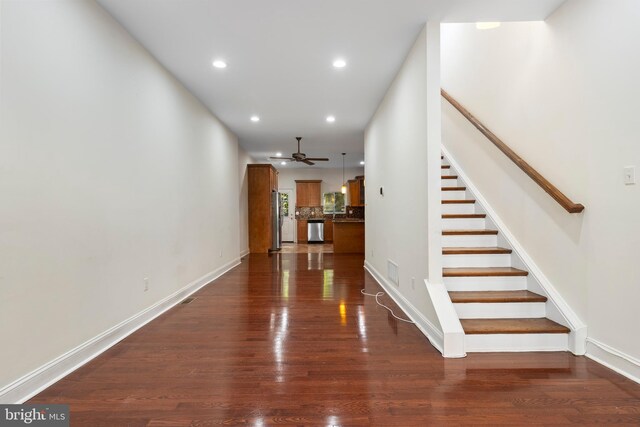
column 356, row 191
column 308, row 192
column 263, row 180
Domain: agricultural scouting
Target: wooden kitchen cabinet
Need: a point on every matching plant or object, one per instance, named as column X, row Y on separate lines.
column 328, row 230
column 308, row 192
column 356, row 191
column 301, row 234
column 348, row 236
column 263, row 179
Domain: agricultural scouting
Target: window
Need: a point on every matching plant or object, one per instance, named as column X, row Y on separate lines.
column 284, row 204
column 333, row 203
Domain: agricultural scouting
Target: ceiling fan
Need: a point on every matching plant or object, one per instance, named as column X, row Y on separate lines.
column 301, row 157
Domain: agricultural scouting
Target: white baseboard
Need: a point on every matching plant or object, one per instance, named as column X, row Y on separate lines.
column 34, row 382
column 244, row 253
column 616, row 360
column 432, row 333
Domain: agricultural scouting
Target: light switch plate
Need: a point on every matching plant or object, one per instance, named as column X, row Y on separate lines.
column 629, row 175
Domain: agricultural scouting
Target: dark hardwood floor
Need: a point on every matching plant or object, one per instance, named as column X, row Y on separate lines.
column 289, row 339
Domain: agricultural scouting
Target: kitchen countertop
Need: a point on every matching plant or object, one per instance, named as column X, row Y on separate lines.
column 348, row 220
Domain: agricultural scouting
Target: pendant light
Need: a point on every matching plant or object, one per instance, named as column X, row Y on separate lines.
column 344, row 183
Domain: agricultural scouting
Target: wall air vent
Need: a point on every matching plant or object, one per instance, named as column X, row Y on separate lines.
column 392, row 272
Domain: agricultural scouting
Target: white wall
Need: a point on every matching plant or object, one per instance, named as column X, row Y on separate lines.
column 331, row 178
column 396, row 155
column 244, row 159
column 563, row 94
column 110, row 172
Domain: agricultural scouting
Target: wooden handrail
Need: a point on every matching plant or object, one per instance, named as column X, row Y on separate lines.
column 551, row 189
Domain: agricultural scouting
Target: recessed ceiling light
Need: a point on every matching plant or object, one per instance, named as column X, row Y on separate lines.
column 255, row 118
column 339, row 63
column 362, row 162
column 218, row 63
column 283, row 163
column 487, row 25
column 331, row 119
column 278, row 154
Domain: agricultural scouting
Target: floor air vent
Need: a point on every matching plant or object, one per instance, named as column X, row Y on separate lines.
column 187, row 300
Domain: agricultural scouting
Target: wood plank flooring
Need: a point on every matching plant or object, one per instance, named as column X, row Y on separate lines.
column 303, row 248
column 288, row 339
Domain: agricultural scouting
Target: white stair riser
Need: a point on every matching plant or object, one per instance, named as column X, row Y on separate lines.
column 516, row 342
column 449, row 182
column 458, row 208
column 502, row 310
column 499, row 283
column 463, row 224
column 470, row 241
column 446, row 171
column 482, row 260
column 454, row 195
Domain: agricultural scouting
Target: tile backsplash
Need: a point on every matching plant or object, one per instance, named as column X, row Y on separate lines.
column 315, row 212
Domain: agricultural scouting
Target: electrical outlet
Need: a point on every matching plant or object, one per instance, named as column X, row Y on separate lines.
column 146, row 284
column 220, row 253
column 629, row 175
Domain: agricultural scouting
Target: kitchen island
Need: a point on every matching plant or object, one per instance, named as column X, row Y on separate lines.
column 348, row 236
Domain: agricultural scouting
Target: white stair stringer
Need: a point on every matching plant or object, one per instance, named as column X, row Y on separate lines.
column 555, row 308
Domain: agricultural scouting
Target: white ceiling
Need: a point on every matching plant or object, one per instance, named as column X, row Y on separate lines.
column 280, row 54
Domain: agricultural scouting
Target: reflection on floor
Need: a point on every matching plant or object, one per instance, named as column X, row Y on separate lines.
column 288, row 339
column 302, row 248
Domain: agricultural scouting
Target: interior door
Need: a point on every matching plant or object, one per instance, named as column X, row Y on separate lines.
column 288, row 220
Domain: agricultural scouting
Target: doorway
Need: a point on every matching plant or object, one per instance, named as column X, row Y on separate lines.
column 288, row 222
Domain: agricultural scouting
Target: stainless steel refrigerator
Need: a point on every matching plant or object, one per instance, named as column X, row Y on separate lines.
column 276, row 222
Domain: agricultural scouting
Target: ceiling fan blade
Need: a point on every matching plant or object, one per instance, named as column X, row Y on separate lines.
column 318, row 159
column 307, row 162
column 282, row 158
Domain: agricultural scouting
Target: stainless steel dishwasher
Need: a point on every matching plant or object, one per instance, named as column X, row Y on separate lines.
column 315, row 231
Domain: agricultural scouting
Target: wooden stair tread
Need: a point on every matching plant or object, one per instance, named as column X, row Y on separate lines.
column 483, row 272
column 475, row 251
column 512, row 326
column 449, row 177
column 468, row 232
column 463, row 216
column 453, row 188
column 495, row 297
column 462, row 201
column 445, row 166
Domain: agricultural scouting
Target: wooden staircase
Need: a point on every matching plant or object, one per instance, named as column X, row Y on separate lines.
column 497, row 310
